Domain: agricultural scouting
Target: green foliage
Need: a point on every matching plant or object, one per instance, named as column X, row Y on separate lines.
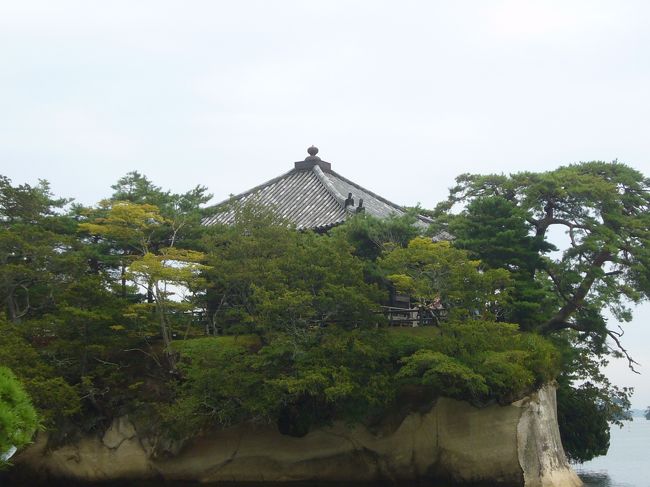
column 55, row 397
column 246, row 254
column 350, row 374
column 370, row 236
column 478, row 360
column 137, row 188
column 495, row 230
column 601, row 264
column 35, row 245
column 585, row 391
column 146, row 264
column 129, row 224
column 92, row 323
column 439, row 275
column 584, row 422
column 347, row 374
column 72, row 337
column 18, row 419
column 52, row 395
column 267, row 277
column 333, row 373
column 321, row 282
column 446, row 375
column 25, row 203
column 221, row 385
column 602, row 207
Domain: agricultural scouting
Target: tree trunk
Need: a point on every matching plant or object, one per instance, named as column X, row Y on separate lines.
column 560, row 320
column 164, row 328
column 123, row 275
column 11, row 309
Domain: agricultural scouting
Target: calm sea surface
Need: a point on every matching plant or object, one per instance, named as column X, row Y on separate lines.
column 626, row 464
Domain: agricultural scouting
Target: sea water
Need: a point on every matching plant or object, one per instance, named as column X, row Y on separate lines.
column 626, row 464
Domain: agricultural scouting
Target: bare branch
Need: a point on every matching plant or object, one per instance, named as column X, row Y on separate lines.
column 630, row 361
column 150, row 355
column 618, row 333
column 556, row 282
column 108, row 363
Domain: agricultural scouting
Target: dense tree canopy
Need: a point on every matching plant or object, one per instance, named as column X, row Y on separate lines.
column 603, row 208
column 576, row 242
column 132, row 306
column 35, row 244
column 154, row 269
column 438, row 275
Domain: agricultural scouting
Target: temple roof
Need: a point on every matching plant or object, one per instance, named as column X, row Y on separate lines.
column 311, row 196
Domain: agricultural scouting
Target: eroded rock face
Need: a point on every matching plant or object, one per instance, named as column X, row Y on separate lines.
column 540, row 451
column 513, row 445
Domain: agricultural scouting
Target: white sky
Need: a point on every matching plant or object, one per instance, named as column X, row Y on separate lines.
column 400, row 96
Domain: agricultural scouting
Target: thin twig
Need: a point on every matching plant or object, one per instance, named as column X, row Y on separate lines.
column 630, row 361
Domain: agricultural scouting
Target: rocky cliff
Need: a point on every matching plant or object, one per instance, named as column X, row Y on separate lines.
column 516, row 445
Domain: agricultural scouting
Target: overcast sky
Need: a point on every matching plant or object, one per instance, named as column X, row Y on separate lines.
column 400, row 97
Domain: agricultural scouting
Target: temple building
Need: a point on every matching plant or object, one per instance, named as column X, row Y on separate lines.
column 311, row 196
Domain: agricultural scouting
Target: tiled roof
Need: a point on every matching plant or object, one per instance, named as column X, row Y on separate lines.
column 311, row 196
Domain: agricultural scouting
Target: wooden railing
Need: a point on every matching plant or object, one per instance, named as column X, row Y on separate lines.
column 420, row 316
column 395, row 316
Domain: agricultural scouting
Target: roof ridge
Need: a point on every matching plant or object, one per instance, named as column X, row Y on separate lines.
column 340, row 199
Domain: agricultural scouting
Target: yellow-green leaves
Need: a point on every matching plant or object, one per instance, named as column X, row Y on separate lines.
column 175, row 266
column 478, row 361
column 126, row 222
column 437, row 274
column 156, row 266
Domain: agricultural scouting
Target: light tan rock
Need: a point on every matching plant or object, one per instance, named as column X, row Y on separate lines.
column 516, row 445
column 90, row 458
column 540, row 451
column 119, row 431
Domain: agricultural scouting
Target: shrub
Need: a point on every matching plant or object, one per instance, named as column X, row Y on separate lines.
column 18, row 420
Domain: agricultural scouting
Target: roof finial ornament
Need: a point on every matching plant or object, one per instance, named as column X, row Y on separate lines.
column 312, row 160
column 313, row 150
